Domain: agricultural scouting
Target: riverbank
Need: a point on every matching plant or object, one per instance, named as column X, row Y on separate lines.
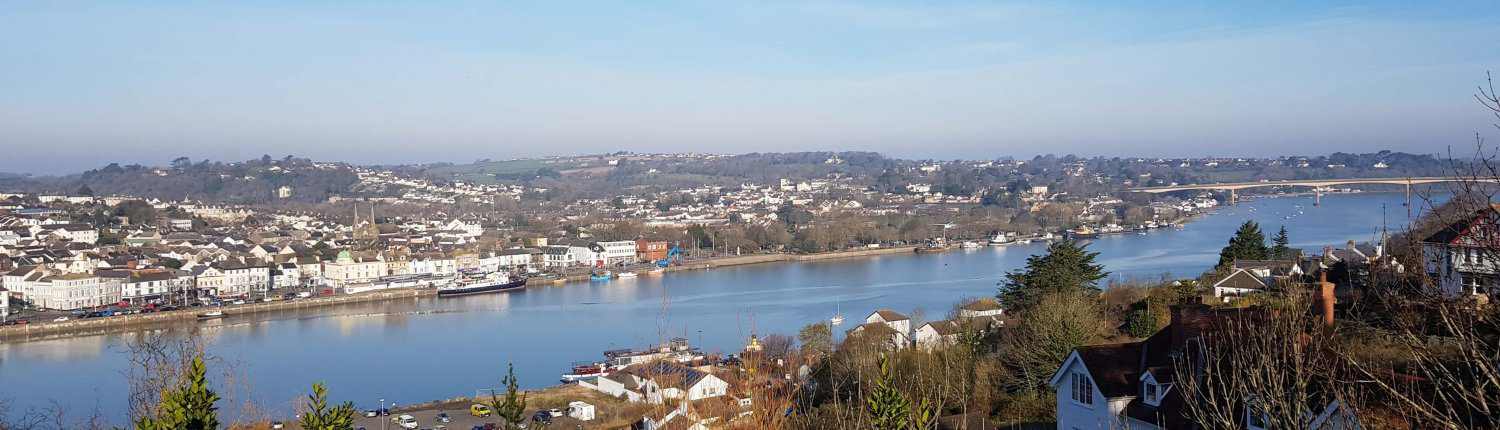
column 43, row 330
column 94, row 326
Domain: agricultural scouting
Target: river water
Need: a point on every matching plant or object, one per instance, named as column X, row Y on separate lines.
column 426, row 349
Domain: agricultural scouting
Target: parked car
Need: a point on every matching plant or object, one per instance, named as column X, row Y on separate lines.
column 59, row 319
column 443, row 417
column 8, row 323
column 288, row 296
column 22, row 321
column 479, row 410
column 304, row 294
column 277, row 425
column 555, row 412
column 543, row 417
column 406, row 421
column 372, row 412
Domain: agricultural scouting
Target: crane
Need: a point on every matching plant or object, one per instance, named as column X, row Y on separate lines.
column 675, row 254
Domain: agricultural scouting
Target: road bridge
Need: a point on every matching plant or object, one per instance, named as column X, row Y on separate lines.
column 1316, row 184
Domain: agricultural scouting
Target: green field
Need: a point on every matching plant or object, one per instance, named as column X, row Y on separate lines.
column 484, row 173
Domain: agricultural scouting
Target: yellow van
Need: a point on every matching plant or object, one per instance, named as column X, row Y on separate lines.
column 479, row 410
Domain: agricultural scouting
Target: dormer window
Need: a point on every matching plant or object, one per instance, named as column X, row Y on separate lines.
column 1152, row 390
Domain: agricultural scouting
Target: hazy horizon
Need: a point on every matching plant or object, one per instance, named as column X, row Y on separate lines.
column 83, row 84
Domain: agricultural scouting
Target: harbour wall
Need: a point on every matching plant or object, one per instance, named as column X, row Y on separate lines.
column 39, row 330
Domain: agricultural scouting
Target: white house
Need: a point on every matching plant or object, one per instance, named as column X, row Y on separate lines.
column 658, row 381
column 619, row 251
column 586, row 253
column 80, row 233
column 233, row 277
column 1081, row 402
column 516, row 258
column 348, row 269
column 558, row 256
column 434, row 264
column 981, row 308
column 70, row 291
column 1462, row 258
column 1134, row 384
column 896, row 321
column 937, row 334
column 286, row 275
column 145, row 285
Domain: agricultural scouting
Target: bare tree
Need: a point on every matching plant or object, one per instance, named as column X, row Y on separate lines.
column 1276, row 366
column 158, row 362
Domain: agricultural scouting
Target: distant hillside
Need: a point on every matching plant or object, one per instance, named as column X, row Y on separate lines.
column 248, row 182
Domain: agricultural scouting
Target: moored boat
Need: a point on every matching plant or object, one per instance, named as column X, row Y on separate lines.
column 1002, row 239
column 588, row 370
column 1083, row 232
column 481, row 285
column 211, row 314
column 624, row 275
column 601, row 276
column 676, row 350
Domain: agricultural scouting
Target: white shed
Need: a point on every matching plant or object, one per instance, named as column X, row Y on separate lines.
column 581, row 411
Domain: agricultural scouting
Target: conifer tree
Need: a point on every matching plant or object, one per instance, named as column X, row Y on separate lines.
column 190, row 407
column 1248, row 243
column 512, row 408
column 1280, row 242
column 1066, row 267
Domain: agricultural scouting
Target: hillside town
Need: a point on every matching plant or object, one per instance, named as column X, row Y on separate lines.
column 76, row 257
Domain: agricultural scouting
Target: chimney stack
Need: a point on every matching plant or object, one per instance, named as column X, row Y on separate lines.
column 1325, row 302
column 1189, row 321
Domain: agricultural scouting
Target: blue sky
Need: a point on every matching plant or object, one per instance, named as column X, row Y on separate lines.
column 87, row 83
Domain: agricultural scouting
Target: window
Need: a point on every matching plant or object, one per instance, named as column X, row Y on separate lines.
column 1083, row 389
column 1255, row 417
column 1149, row 393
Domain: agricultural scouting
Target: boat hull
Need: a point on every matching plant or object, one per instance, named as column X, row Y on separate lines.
column 453, row 292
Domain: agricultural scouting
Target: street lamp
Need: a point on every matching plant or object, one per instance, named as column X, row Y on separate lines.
column 384, row 423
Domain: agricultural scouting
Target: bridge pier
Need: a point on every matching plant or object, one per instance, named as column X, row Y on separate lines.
column 1317, row 196
column 1408, row 200
column 1232, row 199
